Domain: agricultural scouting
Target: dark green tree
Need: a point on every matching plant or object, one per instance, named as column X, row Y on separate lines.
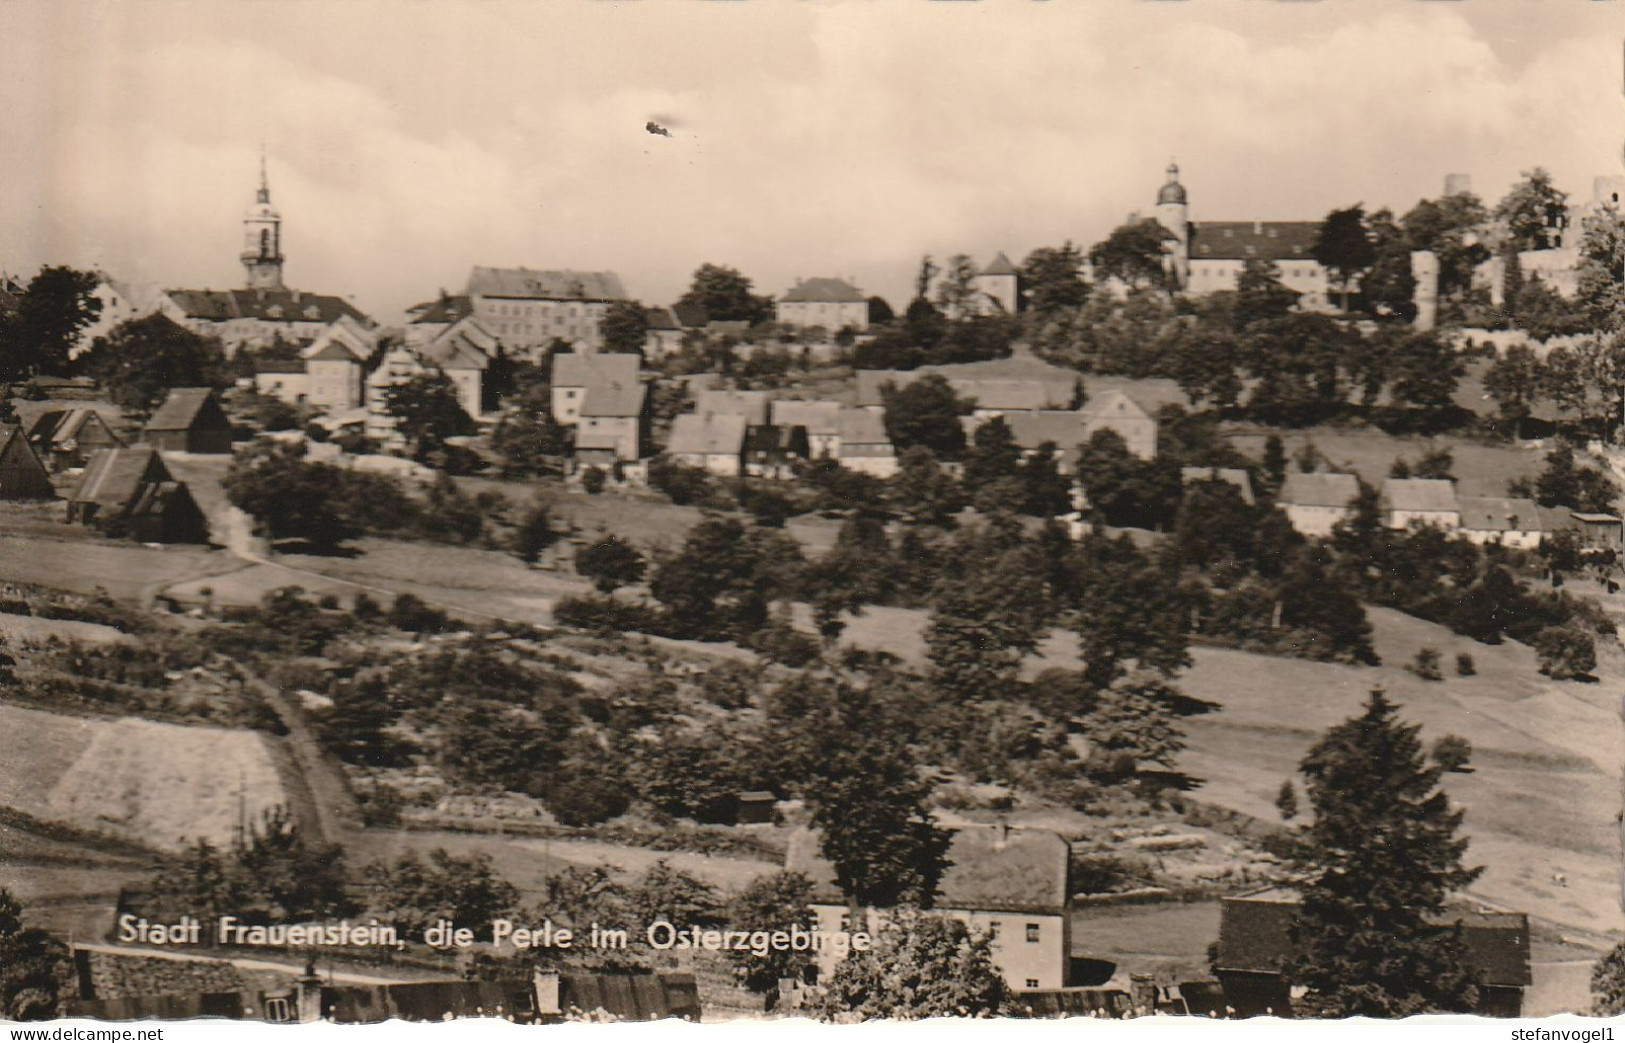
column 1530, row 208
column 922, row 490
column 610, row 563
column 926, row 412
column 1135, row 254
column 1260, row 293
column 1514, row 381
column 427, row 412
column 1426, row 371
column 923, row 966
column 1052, row 281
column 771, row 902
column 1128, row 610
column 1388, row 288
column 1381, row 856
column 993, row 456
column 290, row 497
column 415, row 894
column 57, row 305
column 624, row 328
column 1344, row 246
column 726, row 296
column 34, row 967
column 141, row 360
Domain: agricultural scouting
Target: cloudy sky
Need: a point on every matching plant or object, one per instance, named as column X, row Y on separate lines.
column 411, row 139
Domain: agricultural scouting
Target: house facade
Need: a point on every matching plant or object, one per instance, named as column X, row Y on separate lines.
column 530, row 308
column 820, row 419
column 335, row 365
column 576, row 373
column 1315, row 503
column 1503, row 520
column 1010, row 883
column 830, row 303
column 1409, row 503
column 713, row 442
column 863, row 444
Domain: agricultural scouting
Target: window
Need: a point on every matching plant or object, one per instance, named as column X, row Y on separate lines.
column 1032, row 932
column 1032, row 983
column 277, row 1010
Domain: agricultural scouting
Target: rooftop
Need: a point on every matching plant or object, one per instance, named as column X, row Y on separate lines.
column 184, row 408
column 1254, row 240
column 1322, row 489
column 824, row 291
column 554, row 284
column 708, row 434
column 264, row 305
column 1433, row 495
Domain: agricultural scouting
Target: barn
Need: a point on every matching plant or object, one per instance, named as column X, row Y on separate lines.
column 22, row 476
column 130, row 492
column 189, row 421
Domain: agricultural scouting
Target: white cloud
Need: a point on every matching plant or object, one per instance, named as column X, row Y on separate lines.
column 410, row 141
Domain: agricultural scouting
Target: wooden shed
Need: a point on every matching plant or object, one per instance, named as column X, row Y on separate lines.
column 22, row 475
column 189, row 421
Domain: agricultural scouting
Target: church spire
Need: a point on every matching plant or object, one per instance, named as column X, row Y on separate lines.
column 262, row 238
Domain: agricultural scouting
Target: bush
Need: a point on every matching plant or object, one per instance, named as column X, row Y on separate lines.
column 1464, row 665
column 586, row 800
column 412, row 614
column 1426, row 665
column 1566, row 653
column 607, row 614
column 1452, row 753
column 593, row 479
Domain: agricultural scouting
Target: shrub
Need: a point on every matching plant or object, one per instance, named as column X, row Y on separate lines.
column 1452, row 753
column 1426, row 665
column 1566, row 653
column 586, row 800
column 1464, row 665
column 592, row 480
column 411, row 613
column 607, row 614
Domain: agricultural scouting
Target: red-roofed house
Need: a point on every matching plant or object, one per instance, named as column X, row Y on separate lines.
column 1011, row 883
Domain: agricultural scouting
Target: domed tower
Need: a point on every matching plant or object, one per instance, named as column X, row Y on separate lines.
column 262, row 239
column 1173, row 215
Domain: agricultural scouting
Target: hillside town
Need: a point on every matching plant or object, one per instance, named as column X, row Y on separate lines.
column 1215, row 618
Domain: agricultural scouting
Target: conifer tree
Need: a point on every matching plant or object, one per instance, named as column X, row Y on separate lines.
column 1381, row 856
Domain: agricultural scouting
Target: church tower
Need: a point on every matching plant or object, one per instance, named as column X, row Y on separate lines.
column 1172, row 214
column 262, row 239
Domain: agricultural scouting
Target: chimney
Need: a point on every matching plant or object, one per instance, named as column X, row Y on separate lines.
column 546, row 984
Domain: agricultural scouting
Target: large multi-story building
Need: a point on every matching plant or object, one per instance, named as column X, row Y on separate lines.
column 529, row 309
column 1208, row 256
column 264, row 310
column 833, row 304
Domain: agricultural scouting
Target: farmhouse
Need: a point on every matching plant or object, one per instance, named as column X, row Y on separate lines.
column 714, row 442
column 1503, row 520
column 613, row 419
column 66, row 437
column 1011, row 883
column 574, row 373
column 22, row 476
column 1314, row 503
column 131, row 492
column 863, row 444
column 189, row 421
column 771, row 450
column 1254, row 941
column 1418, row 502
column 821, row 419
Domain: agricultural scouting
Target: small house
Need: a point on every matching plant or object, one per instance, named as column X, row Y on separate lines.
column 1009, row 883
column 1420, row 502
column 131, row 492
column 22, row 475
column 713, row 442
column 189, row 421
column 1507, row 521
column 821, row 419
column 1315, row 503
column 752, row 405
column 1255, row 940
column 754, row 807
column 614, row 417
column 865, row 446
column 1599, row 531
column 66, row 438
column 575, row 372
column 772, row 450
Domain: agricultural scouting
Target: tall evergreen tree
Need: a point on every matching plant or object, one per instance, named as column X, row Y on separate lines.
column 1381, row 857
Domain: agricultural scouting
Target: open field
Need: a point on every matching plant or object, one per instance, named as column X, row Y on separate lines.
column 33, row 628
column 1541, row 803
column 127, row 571
column 160, row 784
column 1481, row 468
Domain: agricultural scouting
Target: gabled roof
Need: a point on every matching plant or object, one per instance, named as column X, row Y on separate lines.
column 1253, row 937
column 1323, row 489
column 1062, row 427
column 343, row 338
column 1114, row 405
column 113, row 477
column 59, row 425
column 990, row 869
column 465, row 344
column 660, row 319
column 614, row 398
column 819, row 418
column 1254, row 240
column 589, row 438
column 775, row 438
column 265, row 305
column 445, row 310
column 1022, row 380
column 1233, row 475
column 184, row 408
column 581, row 369
column 562, row 284
column 824, row 291
column 749, row 404
column 1000, row 265
column 861, row 427
column 1437, row 495
column 1499, row 514
column 708, row 434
